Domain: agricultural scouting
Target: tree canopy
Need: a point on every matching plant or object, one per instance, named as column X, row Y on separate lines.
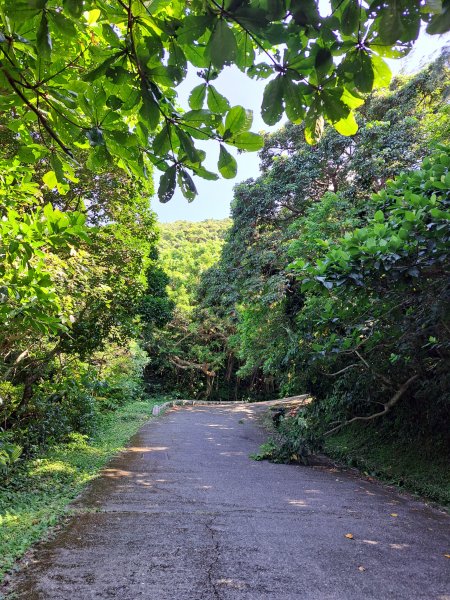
column 100, row 78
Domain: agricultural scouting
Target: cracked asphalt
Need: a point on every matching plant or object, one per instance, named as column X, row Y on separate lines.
column 185, row 514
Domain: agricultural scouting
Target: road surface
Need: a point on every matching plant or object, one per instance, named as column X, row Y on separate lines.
column 185, row 514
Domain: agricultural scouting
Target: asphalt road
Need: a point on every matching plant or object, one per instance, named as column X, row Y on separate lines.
column 185, row 514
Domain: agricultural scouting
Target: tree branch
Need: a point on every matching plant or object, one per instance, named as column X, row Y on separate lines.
column 186, row 364
column 37, row 112
column 387, row 408
column 342, row 370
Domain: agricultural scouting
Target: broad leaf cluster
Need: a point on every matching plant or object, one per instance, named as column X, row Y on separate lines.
column 101, row 77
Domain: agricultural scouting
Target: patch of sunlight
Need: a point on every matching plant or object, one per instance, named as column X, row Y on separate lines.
column 313, row 492
column 8, row 519
column 230, row 453
column 147, row 448
column 54, row 466
column 399, row 546
column 144, row 483
column 242, row 409
column 371, row 542
column 297, row 502
column 116, row 473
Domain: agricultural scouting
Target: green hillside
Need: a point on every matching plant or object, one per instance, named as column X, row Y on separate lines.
column 186, row 250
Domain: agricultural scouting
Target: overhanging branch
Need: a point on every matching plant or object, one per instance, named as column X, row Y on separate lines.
column 387, row 407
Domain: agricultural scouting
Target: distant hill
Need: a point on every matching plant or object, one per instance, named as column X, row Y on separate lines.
column 186, row 250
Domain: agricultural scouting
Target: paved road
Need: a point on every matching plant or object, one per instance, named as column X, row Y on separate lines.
column 184, row 514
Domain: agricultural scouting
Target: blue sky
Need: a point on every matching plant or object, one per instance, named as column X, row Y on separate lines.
column 214, row 197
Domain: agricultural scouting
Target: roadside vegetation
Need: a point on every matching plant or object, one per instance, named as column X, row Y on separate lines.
column 418, row 468
column 35, row 495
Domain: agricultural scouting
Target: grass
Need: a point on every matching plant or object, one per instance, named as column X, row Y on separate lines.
column 37, row 494
column 424, row 471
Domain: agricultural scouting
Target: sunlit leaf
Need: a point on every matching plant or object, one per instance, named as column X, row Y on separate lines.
column 222, row 45
column 347, row 126
column 216, row 102
column 252, row 142
column 197, row 96
column 227, row 164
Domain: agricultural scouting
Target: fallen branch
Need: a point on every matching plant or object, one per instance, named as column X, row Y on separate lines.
column 342, row 370
column 186, row 364
column 386, row 407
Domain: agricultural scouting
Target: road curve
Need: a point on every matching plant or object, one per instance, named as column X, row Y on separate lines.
column 185, row 514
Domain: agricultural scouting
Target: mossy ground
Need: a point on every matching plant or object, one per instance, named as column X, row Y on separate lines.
column 416, row 467
column 37, row 493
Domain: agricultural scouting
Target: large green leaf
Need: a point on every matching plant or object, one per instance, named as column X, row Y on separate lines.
column 390, row 23
column 167, row 184
column 192, row 29
column 323, row 61
column 205, row 174
column 350, row 17
column 102, row 68
column 347, row 125
column 252, row 142
column 186, row 184
column 162, row 141
column 227, row 164
column 334, row 107
column 245, row 54
column 238, row 119
column 364, row 74
column 73, row 7
column 222, row 46
column 216, row 102
column 440, row 23
column 64, row 25
column 272, row 104
column 188, row 146
column 381, row 72
column 43, row 39
column 149, row 111
column 197, row 97
column 293, row 99
column 314, row 126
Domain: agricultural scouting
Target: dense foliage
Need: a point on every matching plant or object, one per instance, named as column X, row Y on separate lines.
column 334, row 278
column 187, row 355
column 77, row 267
column 100, row 77
column 186, row 250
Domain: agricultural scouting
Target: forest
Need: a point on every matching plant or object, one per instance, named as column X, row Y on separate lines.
column 330, row 278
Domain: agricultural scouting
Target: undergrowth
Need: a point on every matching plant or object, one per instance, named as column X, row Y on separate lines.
column 421, row 467
column 416, row 467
